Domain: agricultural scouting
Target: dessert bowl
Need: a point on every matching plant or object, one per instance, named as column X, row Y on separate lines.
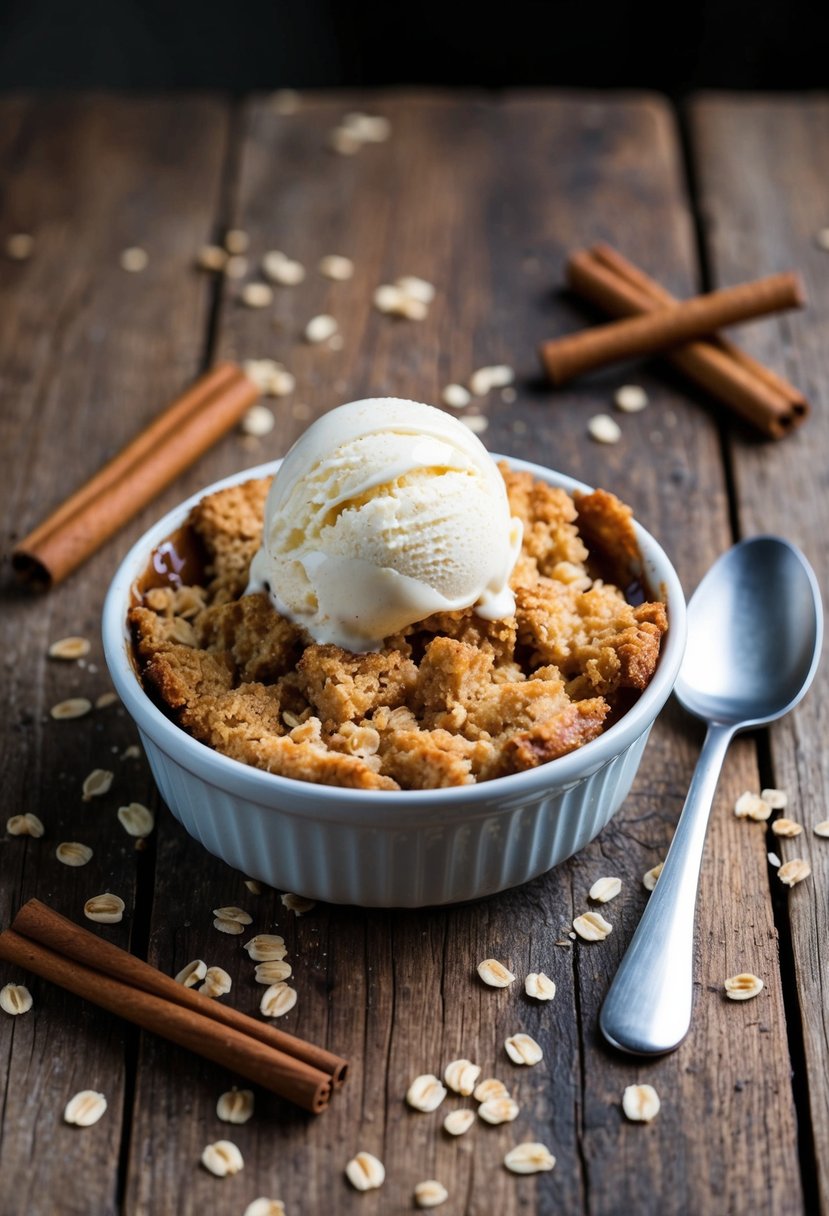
column 390, row 848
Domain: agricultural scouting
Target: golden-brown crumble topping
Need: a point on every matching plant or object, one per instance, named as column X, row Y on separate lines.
column 450, row 700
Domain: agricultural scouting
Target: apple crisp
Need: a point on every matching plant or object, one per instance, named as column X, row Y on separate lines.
column 450, row 700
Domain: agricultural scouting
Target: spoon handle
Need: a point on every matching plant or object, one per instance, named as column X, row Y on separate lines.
column 647, row 1010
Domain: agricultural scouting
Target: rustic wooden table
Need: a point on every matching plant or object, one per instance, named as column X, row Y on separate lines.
column 484, row 197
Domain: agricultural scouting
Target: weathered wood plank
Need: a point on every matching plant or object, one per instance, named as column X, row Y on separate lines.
column 763, row 210
column 88, row 354
column 485, row 199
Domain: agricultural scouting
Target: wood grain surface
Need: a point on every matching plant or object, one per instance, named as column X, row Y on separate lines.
column 484, row 198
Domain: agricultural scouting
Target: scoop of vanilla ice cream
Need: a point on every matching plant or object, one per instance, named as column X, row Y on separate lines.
column 383, row 512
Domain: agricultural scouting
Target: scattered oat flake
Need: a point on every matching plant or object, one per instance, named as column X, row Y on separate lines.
column 258, row 421
column 222, row 1158
column 455, row 396
column 272, row 972
column 281, row 269
column 237, row 240
column 494, row 973
column 277, row 1000
column 592, row 927
column 25, row 825
column 335, row 266
column 416, row 288
column 630, row 398
column 74, row 707
column 822, row 828
column 365, row 1172
column 794, row 871
column 134, row 259
column 97, row 783
column 522, row 1049
column 786, row 827
column 266, row 946
column 490, row 1088
column 73, row 853
column 604, row 429
column 430, row 1193
column 236, row 266
column 822, row 238
column 641, row 1103
column 85, row 1108
column 457, row 1122
column 211, row 257
column 651, row 877
column 341, row 140
column 193, row 973
column 106, row 909
column 752, row 806
column 461, row 1076
column 529, row 1158
column 743, row 986
column 485, row 379
column 367, row 128
column 320, row 329
column 539, row 986
column 216, row 982
column 264, row 1206
column 774, row 860
column 15, row 999
column 253, row 886
column 388, row 299
column 777, row 799
column 235, row 1106
column 256, row 295
column 238, row 914
column 498, row 1110
column 425, row 1093
column 297, row 904
column 69, row 648
column 105, row 700
column 477, row 423
column 136, row 819
column 605, row 889
column 20, row 246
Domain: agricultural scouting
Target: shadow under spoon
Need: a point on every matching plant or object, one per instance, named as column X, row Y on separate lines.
column 755, row 626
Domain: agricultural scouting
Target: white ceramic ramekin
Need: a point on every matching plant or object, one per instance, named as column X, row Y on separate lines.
column 379, row 848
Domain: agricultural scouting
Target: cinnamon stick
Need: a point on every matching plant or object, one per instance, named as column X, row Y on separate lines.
column 38, row 922
column 605, row 278
column 283, row 1074
column 668, row 327
column 157, row 455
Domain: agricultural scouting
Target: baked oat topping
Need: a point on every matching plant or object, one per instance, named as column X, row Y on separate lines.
column 450, row 700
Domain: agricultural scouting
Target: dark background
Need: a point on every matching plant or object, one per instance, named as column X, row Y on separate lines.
column 255, row 44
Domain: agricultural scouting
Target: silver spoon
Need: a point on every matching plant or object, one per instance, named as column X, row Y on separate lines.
column 755, row 626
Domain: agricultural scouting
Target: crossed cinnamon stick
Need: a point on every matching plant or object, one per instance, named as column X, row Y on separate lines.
column 683, row 331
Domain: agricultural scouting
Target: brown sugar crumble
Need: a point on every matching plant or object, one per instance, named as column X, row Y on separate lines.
column 450, row 700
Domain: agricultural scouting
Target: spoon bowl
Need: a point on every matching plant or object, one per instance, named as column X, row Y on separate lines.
column 755, row 627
